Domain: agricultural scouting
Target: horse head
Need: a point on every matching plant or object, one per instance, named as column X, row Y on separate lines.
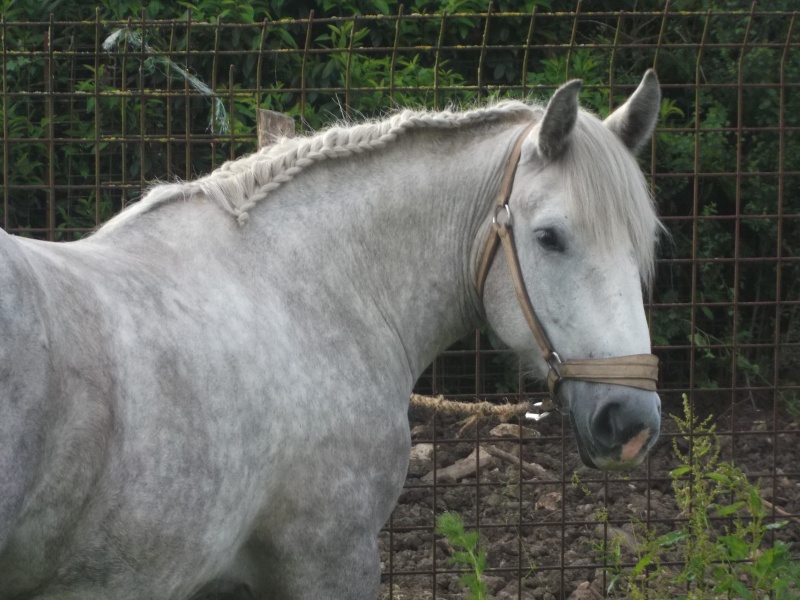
column 569, row 296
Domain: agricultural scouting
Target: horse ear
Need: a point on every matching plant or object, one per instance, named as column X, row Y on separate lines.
column 634, row 121
column 551, row 134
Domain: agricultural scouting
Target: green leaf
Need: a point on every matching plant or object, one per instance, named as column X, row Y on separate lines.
column 671, row 538
column 736, row 547
column 611, row 583
column 755, row 503
column 659, row 340
column 480, row 561
column 382, row 6
column 724, row 511
column 642, row 564
column 460, row 557
column 470, row 539
column 721, row 478
column 764, row 564
column 449, row 525
column 775, row 525
column 680, row 471
column 731, row 584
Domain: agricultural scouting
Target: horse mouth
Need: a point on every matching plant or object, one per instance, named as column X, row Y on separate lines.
column 621, row 457
column 586, row 457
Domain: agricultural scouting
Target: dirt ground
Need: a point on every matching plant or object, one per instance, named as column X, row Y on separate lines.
column 534, row 521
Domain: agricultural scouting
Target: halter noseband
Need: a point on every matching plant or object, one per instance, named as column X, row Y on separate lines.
column 635, row 370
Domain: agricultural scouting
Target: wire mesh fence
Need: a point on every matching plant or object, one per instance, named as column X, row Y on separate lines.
column 95, row 110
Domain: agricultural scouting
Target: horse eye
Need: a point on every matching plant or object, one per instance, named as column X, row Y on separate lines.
column 548, row 239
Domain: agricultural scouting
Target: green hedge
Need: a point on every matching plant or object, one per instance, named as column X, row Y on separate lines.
column 118, row 135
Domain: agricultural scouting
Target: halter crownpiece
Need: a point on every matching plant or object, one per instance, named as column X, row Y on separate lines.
column 636, row 370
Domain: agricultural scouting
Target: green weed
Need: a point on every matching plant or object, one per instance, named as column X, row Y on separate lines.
column 721, row 544
column 468, row 553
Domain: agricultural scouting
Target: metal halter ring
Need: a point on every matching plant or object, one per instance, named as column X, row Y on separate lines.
column 508, row 215
column 553, row 362
column 554, row 378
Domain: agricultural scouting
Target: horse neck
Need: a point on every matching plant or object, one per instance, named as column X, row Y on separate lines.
column 397, row 231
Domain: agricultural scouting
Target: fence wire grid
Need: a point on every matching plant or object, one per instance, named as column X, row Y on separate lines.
column 95, row 111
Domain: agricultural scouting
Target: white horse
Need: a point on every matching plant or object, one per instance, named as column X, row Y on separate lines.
column 208, row 396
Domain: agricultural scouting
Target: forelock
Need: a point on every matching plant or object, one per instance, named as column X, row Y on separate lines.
column 608, row 196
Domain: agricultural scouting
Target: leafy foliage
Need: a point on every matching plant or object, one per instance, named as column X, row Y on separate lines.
column 722, row 546
column 467, row 553
column 129, row 115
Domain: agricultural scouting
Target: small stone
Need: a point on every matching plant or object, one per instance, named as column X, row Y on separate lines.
column 510, row 592
column 583, row 592
column 421, row 460
column 493, row 584
column 617, row 534
column 549, row 501
column 422, row 452
column 420, row 431
column 511, row 430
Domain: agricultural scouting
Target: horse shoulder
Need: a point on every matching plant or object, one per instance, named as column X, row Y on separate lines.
column 23, row 379
column 54, row 421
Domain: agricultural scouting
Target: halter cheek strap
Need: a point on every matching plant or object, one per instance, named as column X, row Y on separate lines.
column 637, row 370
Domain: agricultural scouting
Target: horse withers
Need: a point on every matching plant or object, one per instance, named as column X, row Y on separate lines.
column 208, row 396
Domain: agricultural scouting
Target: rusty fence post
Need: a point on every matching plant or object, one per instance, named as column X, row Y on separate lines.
column 272, row 126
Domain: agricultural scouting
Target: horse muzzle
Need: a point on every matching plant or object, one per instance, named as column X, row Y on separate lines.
column 615, row 425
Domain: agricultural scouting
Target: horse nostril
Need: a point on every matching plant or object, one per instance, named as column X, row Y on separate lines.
column 606, row 424
column 617, row 424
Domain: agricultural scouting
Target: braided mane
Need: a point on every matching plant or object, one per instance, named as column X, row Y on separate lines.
column 607, row 193
column 238, row 185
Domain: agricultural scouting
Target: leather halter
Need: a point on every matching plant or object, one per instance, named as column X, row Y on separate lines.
column 636, row 370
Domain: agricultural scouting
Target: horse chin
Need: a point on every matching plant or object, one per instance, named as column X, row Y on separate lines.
column 586, row 456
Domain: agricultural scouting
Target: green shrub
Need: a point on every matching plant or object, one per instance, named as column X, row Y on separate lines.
column 124, row 137
column 721, row 545
column 468, row 553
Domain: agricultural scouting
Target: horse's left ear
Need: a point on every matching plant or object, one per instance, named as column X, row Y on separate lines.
column 634, row 121
column 551, row 134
